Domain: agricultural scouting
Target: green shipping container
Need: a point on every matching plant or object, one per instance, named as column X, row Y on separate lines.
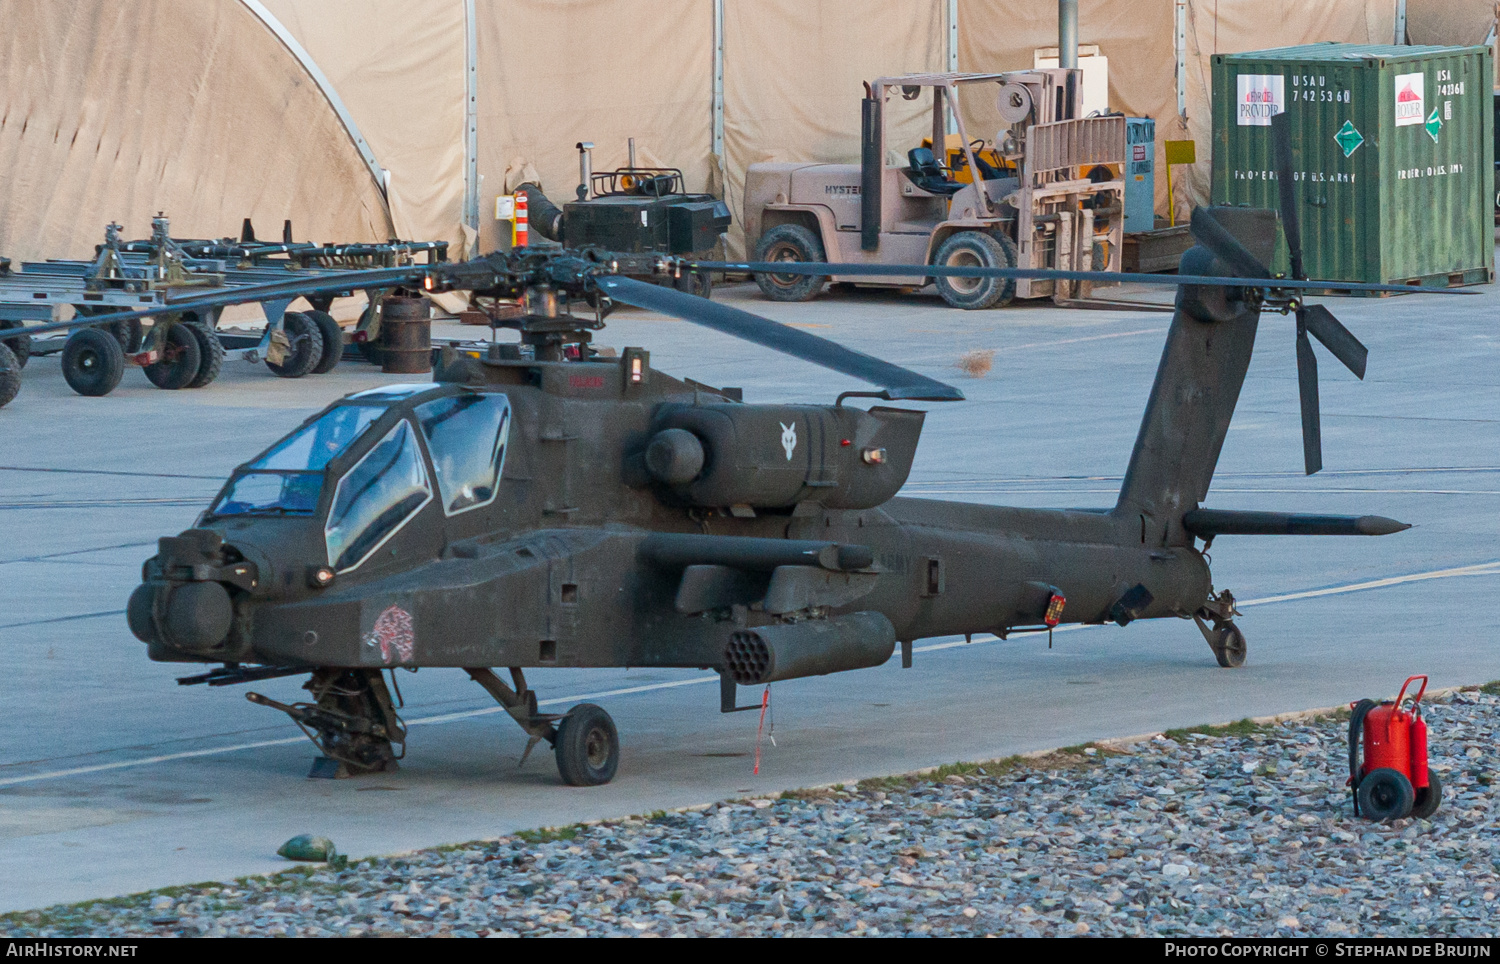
column 1392, row 148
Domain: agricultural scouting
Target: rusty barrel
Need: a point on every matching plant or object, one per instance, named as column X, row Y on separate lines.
column 405, row 335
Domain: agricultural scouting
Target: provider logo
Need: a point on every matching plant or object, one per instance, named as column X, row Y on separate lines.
column 1410, row 89
column 1261, row 97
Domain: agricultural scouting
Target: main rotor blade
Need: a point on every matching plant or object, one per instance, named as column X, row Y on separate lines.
column 1336, row 338
column 897, row 382
column 1212, row 235
column 822, row 268
column 1307, row 387
column 1291, row 219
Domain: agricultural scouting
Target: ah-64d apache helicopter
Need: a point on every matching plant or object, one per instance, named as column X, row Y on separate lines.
column 545, row 506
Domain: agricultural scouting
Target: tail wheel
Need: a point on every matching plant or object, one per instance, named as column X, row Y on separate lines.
column 19, row 345
column 306, row 346
column 10, row 375
column 210, row 351
column 976, row 249
column 92, row 362
column 333, row 341
column 1385, row 795
column 181, row 359
column 1229, row 646
column 790, row 242
column 587, row 746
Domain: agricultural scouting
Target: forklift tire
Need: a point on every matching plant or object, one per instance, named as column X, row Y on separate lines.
column 587, row 746
column 976, row 249
column 1426, row 800
column 10, row 375
column 20, row 345
column 1229, row 648
column 92, row 362
column 1384, row 795
column 333, row 341
column 210, row 353
column 180, row 362
column 307, row 346
column 790, row 242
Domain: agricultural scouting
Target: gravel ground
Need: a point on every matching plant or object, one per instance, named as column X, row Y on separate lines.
column 1242, row 830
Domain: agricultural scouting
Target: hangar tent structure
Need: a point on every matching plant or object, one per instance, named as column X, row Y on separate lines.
column 360, row 120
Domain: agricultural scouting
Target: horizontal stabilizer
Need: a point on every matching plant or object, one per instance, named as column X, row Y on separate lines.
column 1207, row 523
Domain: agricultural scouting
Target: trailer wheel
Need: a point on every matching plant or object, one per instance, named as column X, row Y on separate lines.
column 92, row 362
column 307, row 346
column 210, row 351
column 699, row 283
column 976, row 249
column 19, row 345
column 790, row 242
column 333, row 341
column 180, row 359
column 128, row 333
column 1385, row 794
column 10, row 375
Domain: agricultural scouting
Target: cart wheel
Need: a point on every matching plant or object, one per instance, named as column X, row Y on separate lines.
column 307, row 346
column 976, row 249
column 587, row 746
column 180, row 359
column 210, row 351
column 92, row 362
column 333, row 341
column 128, row 332
column 369, row 350
column 699, row 283
column 20, row 345
column 1385, row 794
column 10, row 375
column 1426, row 800
column 1230, row 648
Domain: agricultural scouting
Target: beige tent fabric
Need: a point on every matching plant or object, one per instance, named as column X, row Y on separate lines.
column 192, row 107
column 793, row 74
column 1449, row 22
column 556, row 72
column 398, row 66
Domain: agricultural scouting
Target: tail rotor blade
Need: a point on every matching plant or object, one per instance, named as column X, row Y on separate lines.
column 1291, row 221
column 1307, row 387
column 1322, row 325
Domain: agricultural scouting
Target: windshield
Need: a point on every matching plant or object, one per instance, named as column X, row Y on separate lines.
column 315, row 445
column 376, row 497
column 271, row 493
column 466, row 435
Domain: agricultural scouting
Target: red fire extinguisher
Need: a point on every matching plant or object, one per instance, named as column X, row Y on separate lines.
column 1393, row 780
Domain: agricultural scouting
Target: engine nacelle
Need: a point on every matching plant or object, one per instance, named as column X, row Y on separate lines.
column 776, row 456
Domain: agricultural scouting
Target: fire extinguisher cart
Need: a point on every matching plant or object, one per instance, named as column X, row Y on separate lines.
column 1392, row 780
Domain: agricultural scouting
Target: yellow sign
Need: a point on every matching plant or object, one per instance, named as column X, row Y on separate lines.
column 1181, row 152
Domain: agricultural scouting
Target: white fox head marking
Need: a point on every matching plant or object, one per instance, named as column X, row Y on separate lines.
column 788, row 438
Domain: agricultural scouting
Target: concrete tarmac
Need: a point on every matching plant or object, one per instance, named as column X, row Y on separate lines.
column 113, row 779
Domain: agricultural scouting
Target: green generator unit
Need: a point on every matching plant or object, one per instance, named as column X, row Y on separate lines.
column 1393, row 153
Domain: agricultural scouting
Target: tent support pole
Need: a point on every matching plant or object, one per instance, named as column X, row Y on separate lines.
column 471, row 124
column 718, row 80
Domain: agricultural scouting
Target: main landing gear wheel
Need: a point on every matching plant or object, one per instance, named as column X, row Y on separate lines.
column 1229, row 646
column 181, row 359
column 306, row 346
column 333, row 341
column 92, row 362
column 789, row 242
column 587, row 747
column 976, row 249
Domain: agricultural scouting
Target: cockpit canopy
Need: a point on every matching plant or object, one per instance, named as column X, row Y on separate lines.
column 379, row 456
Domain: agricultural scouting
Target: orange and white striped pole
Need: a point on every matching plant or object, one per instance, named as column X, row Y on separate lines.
column 520, row 226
